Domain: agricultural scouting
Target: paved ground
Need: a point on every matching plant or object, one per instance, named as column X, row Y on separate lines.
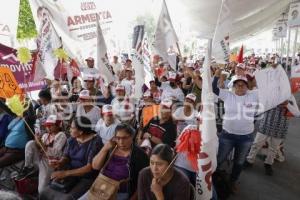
column 285, row 183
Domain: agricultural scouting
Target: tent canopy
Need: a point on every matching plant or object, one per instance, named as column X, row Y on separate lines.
column 248, row 16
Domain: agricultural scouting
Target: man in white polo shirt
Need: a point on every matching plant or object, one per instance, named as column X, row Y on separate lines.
column 87, row 109
column 106, row 127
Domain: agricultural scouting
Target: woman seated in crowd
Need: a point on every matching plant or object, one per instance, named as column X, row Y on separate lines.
column 18, row 135
column 87, row 108
column 161, row 180
column 125, row 163
column 76, row 89
column 53, row 143
column 75, row 166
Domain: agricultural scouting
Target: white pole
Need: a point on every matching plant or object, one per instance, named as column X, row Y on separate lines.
column 281, row 50
column 294, row 47
column 209, row 49
column 288, row 49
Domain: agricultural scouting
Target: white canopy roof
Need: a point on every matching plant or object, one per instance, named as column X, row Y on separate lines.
column 249, row 16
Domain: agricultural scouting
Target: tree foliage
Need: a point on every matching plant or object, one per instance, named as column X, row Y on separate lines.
column 148, row 21
column 26, row 26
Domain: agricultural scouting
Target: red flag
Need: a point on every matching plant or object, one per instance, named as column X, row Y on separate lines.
column 240, row 56
column 60, row 71
column 74, row 68
column 190, row 143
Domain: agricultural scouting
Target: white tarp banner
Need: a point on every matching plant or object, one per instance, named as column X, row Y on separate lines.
column 75, row 22
column 273, row 87
column 294, row 15
column 9, row 15
column 281, row 28
column 165, row 36
column 220, row 50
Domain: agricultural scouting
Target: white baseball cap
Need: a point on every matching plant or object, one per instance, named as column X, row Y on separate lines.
column 84, row 94
column 107, row 109
column 120, row 87
column 52, row 119
column 172, row 76
column 191, row 96
column 240, row 78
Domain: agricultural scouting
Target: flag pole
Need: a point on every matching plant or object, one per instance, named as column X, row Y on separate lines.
column 288, row 49
column 179, row 50
column 294, row 47
column 281, row 50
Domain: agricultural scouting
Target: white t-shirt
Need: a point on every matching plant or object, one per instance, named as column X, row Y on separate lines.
column 106, row 132
column 90, row 72
column 182, row 120
column 124, row 110
column 169, row 92
column 93, row 115
column 117, row 67
column 128, row 84
column 59, row 141
column 239, row 111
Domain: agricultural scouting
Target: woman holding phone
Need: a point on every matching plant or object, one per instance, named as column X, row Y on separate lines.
column 121, row 160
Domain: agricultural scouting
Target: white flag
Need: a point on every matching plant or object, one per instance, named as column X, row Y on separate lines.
column 103, row 65
column 137, row 60
column 273, row 87
column 281, row 28
column 220, row 50
column 165, row 36
column 294, row 15
column 207, row 162
column 148, row 74
column 47, row 42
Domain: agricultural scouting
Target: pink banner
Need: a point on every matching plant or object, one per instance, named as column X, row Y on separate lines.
column 24, row 73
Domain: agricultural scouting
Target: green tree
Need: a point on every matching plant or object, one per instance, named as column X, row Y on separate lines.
column 26, row 26
column 148, row 21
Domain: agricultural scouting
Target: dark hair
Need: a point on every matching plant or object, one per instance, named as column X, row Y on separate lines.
column 83, row 124
column 45, row 94
column 73, row 79
column 163, row 151
column 125, row 127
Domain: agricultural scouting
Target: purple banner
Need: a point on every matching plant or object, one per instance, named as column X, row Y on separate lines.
column 24, row 73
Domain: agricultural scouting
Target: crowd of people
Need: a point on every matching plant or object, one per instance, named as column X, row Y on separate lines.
column 90, row 128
